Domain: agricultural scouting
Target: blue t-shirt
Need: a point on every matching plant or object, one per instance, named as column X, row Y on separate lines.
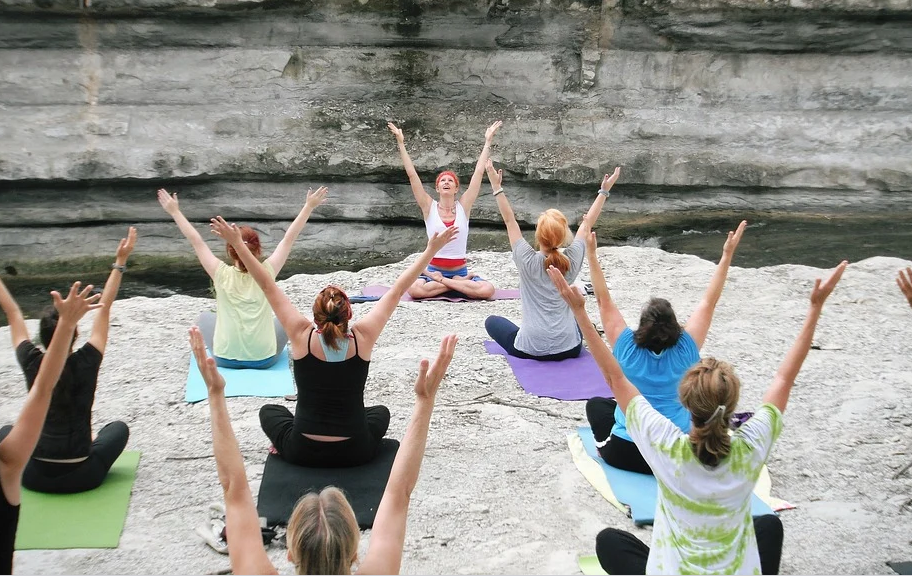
column 656, row 376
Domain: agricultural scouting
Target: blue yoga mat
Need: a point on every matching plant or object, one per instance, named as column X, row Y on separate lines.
column 640, row 491
column 273, row 382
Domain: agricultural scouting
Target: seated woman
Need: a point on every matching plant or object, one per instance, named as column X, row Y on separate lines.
column 448, row 270
column 548, row 331
column 706, row 478
column 330, row 427
column 654, row 358
column 66, row 459
column 242, row 332
column 17, row 442
column 322, row 531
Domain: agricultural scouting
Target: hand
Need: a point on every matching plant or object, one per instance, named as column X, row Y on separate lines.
column 314, row 199
column 435, row 276
column 904, row 280
column 125, row 247
column 492, row 130
column 570, row 295
column 77, row 303
column 494, row 176
column 397, row 132
column 823, row 289
column 215, row 382
column 228, row 232
column 168, row 201
column 428, row 381
column 731, row 243
column 591, row 243
column 441, row 239
column 609, row 179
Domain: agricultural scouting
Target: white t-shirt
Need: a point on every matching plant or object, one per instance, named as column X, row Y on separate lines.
column 703, row 521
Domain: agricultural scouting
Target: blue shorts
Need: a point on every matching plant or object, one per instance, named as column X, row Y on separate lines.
column 464, row 271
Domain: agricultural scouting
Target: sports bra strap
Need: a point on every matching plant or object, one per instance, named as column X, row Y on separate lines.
column 310, row 338
column 355, row 338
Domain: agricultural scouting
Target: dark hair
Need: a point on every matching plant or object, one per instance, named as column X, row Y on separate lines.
column 332, row 311
column 48, row 325
column 659, row 328
column 710, row 391
column 252, row 240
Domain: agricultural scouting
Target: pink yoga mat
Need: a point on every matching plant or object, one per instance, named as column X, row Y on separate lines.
column 573, row 379
column 378, row 290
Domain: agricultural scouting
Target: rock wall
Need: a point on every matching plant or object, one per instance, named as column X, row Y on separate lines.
column 800, row 106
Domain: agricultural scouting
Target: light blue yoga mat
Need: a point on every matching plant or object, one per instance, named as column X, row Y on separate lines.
column 273, row 382
column 640, row 491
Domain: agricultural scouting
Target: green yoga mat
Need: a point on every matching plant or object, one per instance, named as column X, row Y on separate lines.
column 590, row 565
column 93, row 519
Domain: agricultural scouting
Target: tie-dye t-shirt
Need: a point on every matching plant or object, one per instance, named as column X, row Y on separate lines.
column 703, row 519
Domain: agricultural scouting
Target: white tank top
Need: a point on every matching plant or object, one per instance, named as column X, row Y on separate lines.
column 457, row 248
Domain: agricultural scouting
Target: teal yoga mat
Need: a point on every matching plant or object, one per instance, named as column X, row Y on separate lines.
column 93, row 519
column 640, row 491
column 273, row 382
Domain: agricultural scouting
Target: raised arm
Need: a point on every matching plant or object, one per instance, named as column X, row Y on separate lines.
column 592, row 215
column 423, row 199
column 280, row 255
column 495, row 177
column 18, row 331
column 623, row 390
column 903, row 280
column 371, row 325
column 242, row 522
column 698, row 323
column 779, row 390
column 612, row 319
column 384, row 555
column 16, row 449
column 471, row 194
column 291, row 319
column 203, row 253
column 99, row 337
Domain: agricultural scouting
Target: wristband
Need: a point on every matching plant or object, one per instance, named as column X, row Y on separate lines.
column 119, row 267
column 605, row 193
column 498, row 191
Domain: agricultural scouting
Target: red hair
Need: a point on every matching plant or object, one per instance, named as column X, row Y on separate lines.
column 447, row 173
column 332, row 311
column 252, row 240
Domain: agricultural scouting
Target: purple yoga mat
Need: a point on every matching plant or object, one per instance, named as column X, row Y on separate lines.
column 378, row 290
column 573, row 379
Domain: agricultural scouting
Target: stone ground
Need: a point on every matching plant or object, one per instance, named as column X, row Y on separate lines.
column 498, row 492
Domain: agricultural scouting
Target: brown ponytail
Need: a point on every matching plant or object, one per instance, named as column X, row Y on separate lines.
column 332, row 311
column 710, row 391
column 551, row 233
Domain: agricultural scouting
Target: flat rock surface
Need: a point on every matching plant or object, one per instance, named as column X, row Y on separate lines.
column 498, row 491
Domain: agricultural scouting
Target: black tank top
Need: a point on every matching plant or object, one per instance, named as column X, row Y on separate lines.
column 9, row 521
column 330, row 394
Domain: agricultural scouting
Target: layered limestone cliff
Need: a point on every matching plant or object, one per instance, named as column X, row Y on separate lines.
column 791, row 107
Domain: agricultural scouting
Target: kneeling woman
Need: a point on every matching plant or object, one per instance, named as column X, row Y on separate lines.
column 66, row 459
column 330, row 427
column 706, row 478
column 548, row 331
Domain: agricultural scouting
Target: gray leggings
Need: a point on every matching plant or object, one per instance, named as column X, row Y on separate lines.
column 206, row 324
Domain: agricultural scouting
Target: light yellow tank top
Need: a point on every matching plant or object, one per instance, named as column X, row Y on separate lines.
column 244, row 327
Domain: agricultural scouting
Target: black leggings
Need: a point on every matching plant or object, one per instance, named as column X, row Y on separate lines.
column 621, row 552
column 618, row 452
column 504, row 333
column 278, row 424
column 69, row 478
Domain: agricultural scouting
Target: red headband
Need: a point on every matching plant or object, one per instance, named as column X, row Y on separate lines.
column 447, row 173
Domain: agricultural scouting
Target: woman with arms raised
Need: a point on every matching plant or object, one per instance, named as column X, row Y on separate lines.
column 242, row 333
column 322, row 533
column 67, row 459
column 330, row 427
column 654, row 357
column 706, row 477
column 17, row 442
column 548, row 331
column 448, row 270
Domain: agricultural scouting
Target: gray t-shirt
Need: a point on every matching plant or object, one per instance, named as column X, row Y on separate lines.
column 548, row 325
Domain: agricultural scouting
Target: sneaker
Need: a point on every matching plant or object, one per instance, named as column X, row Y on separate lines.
column 213, row 534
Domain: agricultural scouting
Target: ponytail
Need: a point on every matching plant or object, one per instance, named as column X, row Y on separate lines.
column 332, row 311
column 551, row 232
column 557, row 259
column 710, row 392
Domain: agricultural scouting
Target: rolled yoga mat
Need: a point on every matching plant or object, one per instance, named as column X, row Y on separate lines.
column 93, row 519
column 273, row 382
column 572, row 379
column 451, row 296
column 283, row 485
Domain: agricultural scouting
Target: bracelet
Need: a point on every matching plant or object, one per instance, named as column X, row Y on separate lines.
column 605, row 193
column 119, row 267
column 498, row 191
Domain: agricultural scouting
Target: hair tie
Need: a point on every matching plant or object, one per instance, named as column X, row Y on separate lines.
column 719, row 411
